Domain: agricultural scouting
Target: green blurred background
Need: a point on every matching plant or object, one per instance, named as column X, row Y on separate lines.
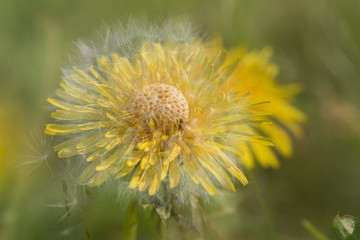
column 316, row 43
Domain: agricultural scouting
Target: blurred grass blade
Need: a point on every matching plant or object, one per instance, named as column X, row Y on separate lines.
column 347, row 227
column 313, row 230
column 131, row 222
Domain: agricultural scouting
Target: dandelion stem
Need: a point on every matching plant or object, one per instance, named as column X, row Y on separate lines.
column 263, row 205
column 131, row 222
column 162, row 230
column 313, row 230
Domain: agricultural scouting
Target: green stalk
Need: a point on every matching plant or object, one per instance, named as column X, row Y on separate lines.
column 131, row 222
column 263, row 206
column 313, row 230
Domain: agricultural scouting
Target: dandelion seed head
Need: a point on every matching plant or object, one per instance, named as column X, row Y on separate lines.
column 145, row 110
column 162, row 102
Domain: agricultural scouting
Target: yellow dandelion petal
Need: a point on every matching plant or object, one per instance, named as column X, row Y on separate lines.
column 174, row 153
column 62, row 129
column 145, row 161
column 134, row 182
column 281, row 138
column 89, row 126
column 207, row 183
column 125, row 171
column 87, row 173
column 265, row 156
column 73, row 116
column 68, row 152
column 230, row 166
column 174, row 173
column 76, row 94
column 213, row 167
column 60, row 104
column 104, row 142
column 164, row 171
column 247, row 157
column 145, row 180
column 96, row 155
column 113, row 143
column 98, row 179
column 110, row 160
column 155, row 184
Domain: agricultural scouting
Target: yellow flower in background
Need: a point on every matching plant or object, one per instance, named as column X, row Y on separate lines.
column 156, row 116
column 255, row 74
column 12, row 123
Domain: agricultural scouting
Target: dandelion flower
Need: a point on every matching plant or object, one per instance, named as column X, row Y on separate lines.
column 154, row 113
column 256, row 74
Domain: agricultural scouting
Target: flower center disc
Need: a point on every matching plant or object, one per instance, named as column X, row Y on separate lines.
column 161, row 102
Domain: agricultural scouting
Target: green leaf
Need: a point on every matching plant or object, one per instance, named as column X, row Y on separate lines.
column 347, row 227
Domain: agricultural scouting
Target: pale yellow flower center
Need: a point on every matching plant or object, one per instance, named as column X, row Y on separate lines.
column 161, row 102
